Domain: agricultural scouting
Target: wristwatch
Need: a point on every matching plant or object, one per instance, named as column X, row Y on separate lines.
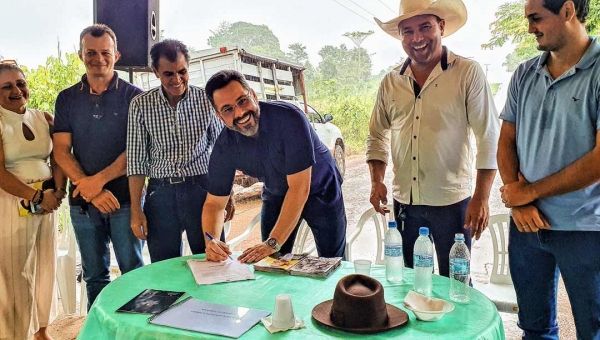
column 271, row 242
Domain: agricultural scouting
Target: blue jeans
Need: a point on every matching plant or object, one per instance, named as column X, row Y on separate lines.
column 535, row 261
column 443, row 222
column 94, row 230
column 325, row 215
column 170, row 209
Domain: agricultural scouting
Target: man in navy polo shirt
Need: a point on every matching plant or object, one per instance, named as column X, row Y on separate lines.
column 549, row 160
column 275, row 143
column 91, row 120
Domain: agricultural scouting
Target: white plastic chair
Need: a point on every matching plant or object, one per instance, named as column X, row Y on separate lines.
column 186, row 244
column 299, row 243
column 227, row 228
column 234, row 242
column 500, row 289
column 380, row 222
column 301, row 239
column 65, row 262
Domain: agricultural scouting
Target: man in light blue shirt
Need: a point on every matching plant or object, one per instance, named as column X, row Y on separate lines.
column 549, row 160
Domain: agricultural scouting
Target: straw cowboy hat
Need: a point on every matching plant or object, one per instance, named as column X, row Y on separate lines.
column 358, row 306
column 453, row 12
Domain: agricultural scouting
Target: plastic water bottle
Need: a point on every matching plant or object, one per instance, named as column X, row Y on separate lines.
column 423, row 263
column 394, row 260
column 460, row 270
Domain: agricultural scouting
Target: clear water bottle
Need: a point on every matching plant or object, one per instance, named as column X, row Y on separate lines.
column 423, row 263
column 460, row 270
column 394, row 260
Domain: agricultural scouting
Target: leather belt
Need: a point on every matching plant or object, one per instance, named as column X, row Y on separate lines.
column 197, row 179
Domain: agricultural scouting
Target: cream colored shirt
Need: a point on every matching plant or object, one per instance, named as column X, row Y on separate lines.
column 430, row 133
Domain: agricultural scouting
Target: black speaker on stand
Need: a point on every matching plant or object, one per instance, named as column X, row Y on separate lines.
column 136, row 25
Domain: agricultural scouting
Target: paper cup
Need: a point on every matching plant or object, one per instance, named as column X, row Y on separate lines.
column 283, row 315
column 362, row 267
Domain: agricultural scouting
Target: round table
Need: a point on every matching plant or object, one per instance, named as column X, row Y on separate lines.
column 478, row 319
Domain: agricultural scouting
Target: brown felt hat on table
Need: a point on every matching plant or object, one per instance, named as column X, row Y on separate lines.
column 358, row 306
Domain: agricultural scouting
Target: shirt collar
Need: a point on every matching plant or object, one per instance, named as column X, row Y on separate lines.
column 447, row 58
column 161, row 93
column 591, row 55
column 7, row 111
column 589, row 58
column 263, row 125
column 114, row 82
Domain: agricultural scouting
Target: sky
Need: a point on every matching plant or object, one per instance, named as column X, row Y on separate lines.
column 31, row 28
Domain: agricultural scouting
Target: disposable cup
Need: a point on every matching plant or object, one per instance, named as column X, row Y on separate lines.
column 283, row 315
column 362, row 267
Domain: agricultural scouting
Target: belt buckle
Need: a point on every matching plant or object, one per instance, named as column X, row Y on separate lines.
column 176, row 180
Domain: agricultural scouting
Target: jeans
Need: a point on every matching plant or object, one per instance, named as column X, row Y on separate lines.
column 443, row 222
column 325, row 215
column 535, row 261
column 171, row 209
column 94, row 230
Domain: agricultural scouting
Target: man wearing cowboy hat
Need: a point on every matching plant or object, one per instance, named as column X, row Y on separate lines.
column 549, row 160
column 427, row 107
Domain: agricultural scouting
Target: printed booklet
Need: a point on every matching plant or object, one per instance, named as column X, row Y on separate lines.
column 150, row 301
column 299, row 265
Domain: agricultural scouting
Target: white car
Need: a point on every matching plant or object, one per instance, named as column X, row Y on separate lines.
column 329, row 134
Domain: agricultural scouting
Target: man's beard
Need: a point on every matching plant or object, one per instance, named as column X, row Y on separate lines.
column 250, row 130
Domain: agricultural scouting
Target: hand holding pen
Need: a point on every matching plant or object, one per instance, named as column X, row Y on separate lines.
column 213, row 240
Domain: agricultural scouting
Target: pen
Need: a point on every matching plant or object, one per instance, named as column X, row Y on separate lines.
column 212, row 239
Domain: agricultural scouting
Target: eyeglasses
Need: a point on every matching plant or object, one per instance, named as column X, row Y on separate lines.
column 243, row 103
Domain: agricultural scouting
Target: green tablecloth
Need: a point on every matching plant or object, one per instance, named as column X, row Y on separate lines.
column 476, row 320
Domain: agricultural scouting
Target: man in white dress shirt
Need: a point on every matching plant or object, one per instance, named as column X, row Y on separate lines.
column 426, row 110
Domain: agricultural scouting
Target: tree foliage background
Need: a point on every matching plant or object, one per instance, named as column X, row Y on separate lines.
column 341, row 83
column 45, row 82
column 258, row 38
column 511, row 26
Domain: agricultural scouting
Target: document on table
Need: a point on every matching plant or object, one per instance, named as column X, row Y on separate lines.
column 211, row 318
column 207, row 272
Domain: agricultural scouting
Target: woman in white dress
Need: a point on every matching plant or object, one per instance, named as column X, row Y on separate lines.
column 27, row 215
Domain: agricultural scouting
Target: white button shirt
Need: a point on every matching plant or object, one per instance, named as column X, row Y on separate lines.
column 430, row 132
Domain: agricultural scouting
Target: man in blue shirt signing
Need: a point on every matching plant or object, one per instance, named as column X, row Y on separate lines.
column 275, row 143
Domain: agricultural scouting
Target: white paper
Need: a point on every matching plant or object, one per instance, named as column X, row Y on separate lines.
column 211, row 318
column 207, row 272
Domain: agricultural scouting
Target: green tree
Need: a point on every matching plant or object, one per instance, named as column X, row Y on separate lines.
column 511, row 26
column 258, row 38
column 351, row 109
column 45, row 82
column 358, row 37
column 297, row 53
column 347, row 66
